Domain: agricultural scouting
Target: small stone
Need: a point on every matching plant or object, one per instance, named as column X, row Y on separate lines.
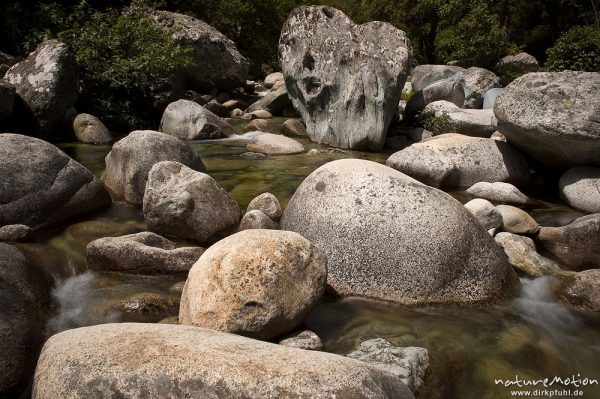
column 267, row 203
column 275, row 144
column 517, row 221
column 257, row 220
column 303, row 340
column 485, row 213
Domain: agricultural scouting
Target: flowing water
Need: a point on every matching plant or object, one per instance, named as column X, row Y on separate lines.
column 533, row 337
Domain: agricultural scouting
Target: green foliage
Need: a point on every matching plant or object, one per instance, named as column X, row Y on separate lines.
column 436, row 124
column 120, row 54
column 407, row 95
column 577, row 49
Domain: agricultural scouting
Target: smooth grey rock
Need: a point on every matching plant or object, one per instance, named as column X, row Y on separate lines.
column 7, row 99
column 268, row 281
column 293, row 127
column 89, row 129
column 450, row 90
column 217, row 60
column 306, row 339
column 47, row 82
column 274, row 144
column 273, row 78
column 131, row 158
column 185, row 203
column 580, row 188
column 274, row 102
column 518, row 64
column 424, row 75
column 267, row 203
column 499, row 193
column 344, row 79
column 257, row 220
column 582, row 290
column 490, row 96
column 40, row 185
column 454, row 160
column 575, row 245
column 186, row 119
column 156, row 361
column 447, row 257
column 517, row 221
column 554, row 117
column 477, row 82
column 485, row 213
column 409, row 364
column 522, row 255
column 470, row 122
column 141, row 253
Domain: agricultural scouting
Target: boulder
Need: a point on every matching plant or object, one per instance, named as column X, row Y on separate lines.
column 170, row 361
column 273, row 78
column 582, row 290
column 257, row 125
column 580, row 188
column 424, row 75
column 217, row 60
column 185, row 203
column 293, row 127
column 186, row 119
column 7, row 99
column 485, row 213
column 89, row 129
column 260, row 114
column 47, row 83
column 518, row 64
column 553, row 117
column 517, row 221
column 449, row 90
column 478, row 82
column 447, row 257
column 131, row 158
column 40, row 185
column 470, row 122
column 523, row 256
column 490, row 96
column 499, row 193
column 454, row 160
column 268, row 204
column 141, row 253
column 25, row 301
column 257, row 220
column 273, row 102
column 408, row 364
column 575, row 245
column 274, row 144
column 306, row 339
column 344, row 79
column 268, row 281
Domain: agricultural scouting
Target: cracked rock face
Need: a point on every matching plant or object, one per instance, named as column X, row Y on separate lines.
column 344, row 79
column 47, row 83
column 40, row 184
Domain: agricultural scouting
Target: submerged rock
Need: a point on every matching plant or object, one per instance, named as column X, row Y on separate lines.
column 89, row 129
column 131, row 158
column 522, row 255
column 580, row 188
column 553, row 117
column 274, row 144
column 303, row 340
column 447, row 257
column 268, row 282
column 141, row 253
column 161, row 361
column 344, row 79
column 186, row 119
column 40, row 185
column 454, row 160
column 184, row 203
column 582, row 290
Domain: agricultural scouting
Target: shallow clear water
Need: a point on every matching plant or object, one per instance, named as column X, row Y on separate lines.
column 533, row 336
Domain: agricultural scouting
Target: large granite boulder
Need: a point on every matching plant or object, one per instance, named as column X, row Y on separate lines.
column 344, row 79
column 575, row 245
column 446, row 256
column 25, row 302
column 424, row 75
column 41, row 185
column 580, row 188
column 268, row 281
column 156, row 361
column 186, row 119
column 140, row 253
column 518, row 64
column 217, row 61
column 131, row 158
column 554, row 117
column 454, row 160
column 47, row 83
column 7, row 100
column 185, row 203
column 582, row 290
column 477, row 82
column 470, row 122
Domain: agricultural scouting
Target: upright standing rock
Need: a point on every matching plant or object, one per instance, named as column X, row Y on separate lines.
column 47, row 82
column 344, row 79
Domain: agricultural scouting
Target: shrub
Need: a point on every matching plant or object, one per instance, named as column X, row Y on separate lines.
column 436, row 124
column 577, row 49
